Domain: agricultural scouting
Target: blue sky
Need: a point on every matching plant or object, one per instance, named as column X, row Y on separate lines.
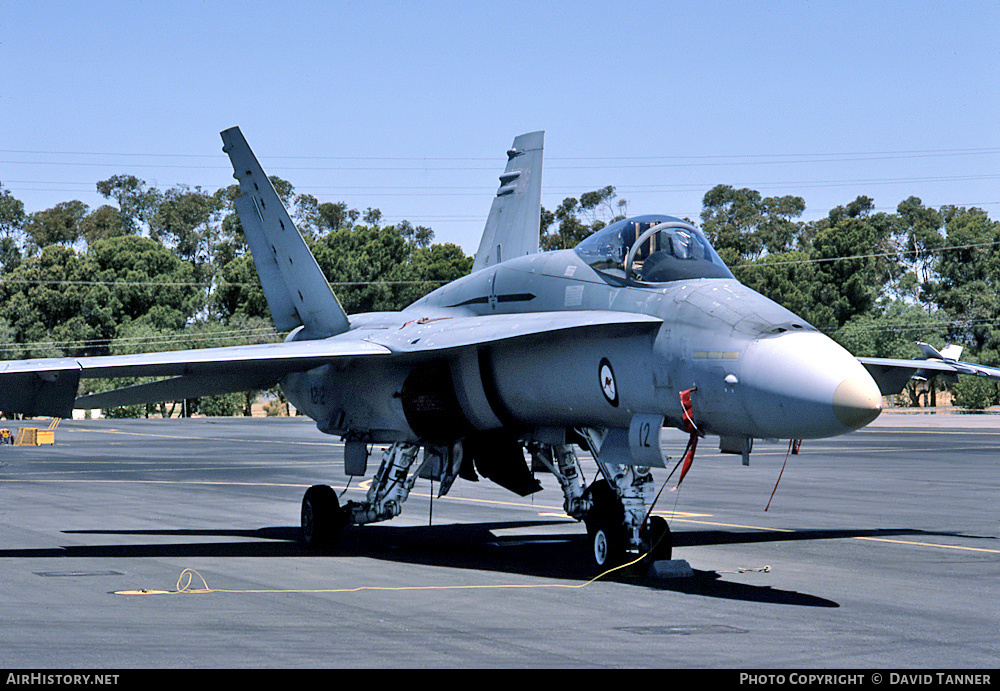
column 409, row 107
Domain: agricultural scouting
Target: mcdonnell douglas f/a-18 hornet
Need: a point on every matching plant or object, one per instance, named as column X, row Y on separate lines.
column 641, row 325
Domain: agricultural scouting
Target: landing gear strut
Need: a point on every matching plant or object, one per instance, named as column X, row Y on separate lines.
column 614, row 507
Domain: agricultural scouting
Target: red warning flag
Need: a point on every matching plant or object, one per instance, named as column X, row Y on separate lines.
column 688, row 458
column 689, row 425
column 691, row 429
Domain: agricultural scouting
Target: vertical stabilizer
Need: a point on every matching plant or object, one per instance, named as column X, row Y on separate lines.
column 297, row 292
column 513, row 224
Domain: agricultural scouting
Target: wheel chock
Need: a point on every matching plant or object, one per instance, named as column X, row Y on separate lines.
column 671, row 568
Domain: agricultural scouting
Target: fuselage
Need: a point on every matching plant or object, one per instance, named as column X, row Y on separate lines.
column 754, row 369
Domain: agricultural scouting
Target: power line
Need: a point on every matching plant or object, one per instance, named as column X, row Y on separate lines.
column 485, row 191
column 818, row 155
column 638, row 162
column 875, row 255
column 221, row 284
column 164, row 339
column 907, row 326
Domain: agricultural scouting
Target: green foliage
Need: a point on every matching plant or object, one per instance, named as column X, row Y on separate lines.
column 974, row 393
column 918, row 236
column 102, row 224
column 136, row 202
column 12, row 215
column 890, row 330
column 368, row 265
column 968, row 280
column 60, row 224
column 743, row 226
column 185, row 221
column 81, row 299
column 224, row 405
column 239, row 293
column 126, row 412
column 578, row 219
column 791, row 280
column 139, row 336
column 843, row 263
column 50, row 298
column 846, row 286
column 435, row 266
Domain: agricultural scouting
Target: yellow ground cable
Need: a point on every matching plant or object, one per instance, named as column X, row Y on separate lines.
column 187, row 576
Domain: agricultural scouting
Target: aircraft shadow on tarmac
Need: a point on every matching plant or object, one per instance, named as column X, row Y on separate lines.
column 468, row 546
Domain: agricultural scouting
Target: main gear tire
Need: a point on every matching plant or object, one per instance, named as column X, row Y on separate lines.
column 322, row 519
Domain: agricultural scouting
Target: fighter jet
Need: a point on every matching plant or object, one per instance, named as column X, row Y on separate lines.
column 893, row 374
column 522, row 364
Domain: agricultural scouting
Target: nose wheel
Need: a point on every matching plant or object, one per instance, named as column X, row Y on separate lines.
column 659, row 542
column 605, row 527
column 607, row 548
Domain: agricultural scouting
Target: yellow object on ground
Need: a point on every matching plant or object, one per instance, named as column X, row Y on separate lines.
column 32, row 436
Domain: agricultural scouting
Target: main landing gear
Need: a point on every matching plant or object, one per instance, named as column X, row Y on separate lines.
column 324, row 519
column 614, row 507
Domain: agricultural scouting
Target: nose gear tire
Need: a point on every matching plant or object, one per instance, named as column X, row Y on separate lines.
column 661, row 543
column 605, row 527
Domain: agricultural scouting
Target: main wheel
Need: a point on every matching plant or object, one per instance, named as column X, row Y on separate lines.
column 322, row 518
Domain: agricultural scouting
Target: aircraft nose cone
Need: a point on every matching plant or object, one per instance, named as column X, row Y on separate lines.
column 803, row 385
column 856, row 402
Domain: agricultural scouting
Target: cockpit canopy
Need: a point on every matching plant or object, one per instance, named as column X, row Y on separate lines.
column 674, row 252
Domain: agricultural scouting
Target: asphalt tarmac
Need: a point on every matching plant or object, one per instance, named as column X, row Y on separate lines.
column 172, row 544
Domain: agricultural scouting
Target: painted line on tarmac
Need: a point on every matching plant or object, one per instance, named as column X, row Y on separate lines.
column 871, row 539
column 190, row 437
column 930, row 544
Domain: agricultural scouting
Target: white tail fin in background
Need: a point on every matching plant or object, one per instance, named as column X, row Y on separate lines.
column 952, row 352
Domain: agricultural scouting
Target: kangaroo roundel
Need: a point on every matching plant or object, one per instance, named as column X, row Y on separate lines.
column 608, row 384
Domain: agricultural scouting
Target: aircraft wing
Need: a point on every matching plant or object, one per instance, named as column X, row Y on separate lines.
column 892, row 374
column 426, row 335
column 49, row 386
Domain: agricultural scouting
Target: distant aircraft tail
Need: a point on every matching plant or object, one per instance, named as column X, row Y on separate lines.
column 297, row 292
column 949, row 352
column 512, row 227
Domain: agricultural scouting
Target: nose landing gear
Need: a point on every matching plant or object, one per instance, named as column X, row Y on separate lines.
column 618, row 529
column 614, row 508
